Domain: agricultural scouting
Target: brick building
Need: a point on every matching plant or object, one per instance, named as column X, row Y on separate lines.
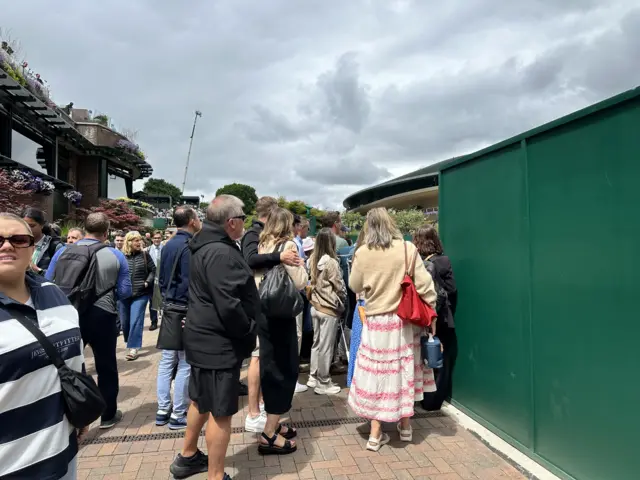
column 68, row 147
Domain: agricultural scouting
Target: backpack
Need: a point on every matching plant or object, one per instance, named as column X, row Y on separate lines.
column 442, row 302
column 76, row 272
column 278, row 295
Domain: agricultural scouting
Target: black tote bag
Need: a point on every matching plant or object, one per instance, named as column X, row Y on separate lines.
column 170, row 334
column 83, row 403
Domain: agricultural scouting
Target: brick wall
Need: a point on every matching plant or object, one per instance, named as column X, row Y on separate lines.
column 84, row 174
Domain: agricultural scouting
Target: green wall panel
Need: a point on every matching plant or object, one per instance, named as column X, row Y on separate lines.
column 585, row 233
column 544, row 236
column 484, row 232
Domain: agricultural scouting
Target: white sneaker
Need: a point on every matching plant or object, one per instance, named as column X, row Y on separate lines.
column 312, row 382
column 301, row 388
column 331, row 389
column 255, row 424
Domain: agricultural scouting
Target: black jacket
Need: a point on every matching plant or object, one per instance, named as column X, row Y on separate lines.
column 249, row 245
column 220, row 330
column 444, row 271
column 141, row 270
column 51, row 248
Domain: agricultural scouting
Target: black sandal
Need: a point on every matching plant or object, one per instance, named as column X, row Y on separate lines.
column 289, row 434
column 273, row 449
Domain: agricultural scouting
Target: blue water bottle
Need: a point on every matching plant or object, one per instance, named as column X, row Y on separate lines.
column 431, row 352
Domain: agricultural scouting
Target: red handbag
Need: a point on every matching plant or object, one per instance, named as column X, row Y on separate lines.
column 412, row 309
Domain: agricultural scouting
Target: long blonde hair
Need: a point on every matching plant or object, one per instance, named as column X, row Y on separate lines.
column 381, row 230
column 128, row 240
column 278, row 228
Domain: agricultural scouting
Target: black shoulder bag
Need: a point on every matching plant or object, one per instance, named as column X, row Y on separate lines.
column 170, row 334
column 83, row 402
column 278, row 294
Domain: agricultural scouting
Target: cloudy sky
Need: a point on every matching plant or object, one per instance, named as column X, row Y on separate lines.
column 317, row 99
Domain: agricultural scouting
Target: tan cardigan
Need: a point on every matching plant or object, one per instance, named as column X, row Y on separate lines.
column 379, row 273
column 329, row 294
column 297, row 274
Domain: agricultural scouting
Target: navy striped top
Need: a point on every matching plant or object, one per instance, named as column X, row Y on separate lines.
column 36, row 439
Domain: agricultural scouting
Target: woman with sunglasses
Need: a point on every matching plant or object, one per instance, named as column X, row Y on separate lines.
column 46, row 445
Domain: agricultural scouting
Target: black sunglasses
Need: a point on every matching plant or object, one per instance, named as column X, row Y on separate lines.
column 239, row 217
column 18, row 241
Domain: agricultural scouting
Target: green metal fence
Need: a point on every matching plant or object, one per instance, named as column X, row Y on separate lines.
column 544, row 234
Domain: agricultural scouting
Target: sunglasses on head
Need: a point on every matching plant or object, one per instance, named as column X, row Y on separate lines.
column 18, row 241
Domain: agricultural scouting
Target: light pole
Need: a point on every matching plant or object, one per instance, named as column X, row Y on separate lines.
column 193, row 132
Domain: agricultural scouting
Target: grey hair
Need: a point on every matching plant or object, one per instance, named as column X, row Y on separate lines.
column 224, row 207
column 76, row 229
column 381, row 229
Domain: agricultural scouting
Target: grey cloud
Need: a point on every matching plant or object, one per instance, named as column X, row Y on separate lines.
column 347, row 100
column 340, row 171
column 312, row 100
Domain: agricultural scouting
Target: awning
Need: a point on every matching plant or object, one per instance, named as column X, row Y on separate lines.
column 6, row 162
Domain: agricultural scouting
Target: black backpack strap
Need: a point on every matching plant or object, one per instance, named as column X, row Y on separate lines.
column 33, row 328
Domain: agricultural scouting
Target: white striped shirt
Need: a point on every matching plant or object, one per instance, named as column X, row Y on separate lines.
column 36, row 439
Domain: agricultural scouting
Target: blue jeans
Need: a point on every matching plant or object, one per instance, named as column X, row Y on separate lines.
column 168, row 361
column 132, row 318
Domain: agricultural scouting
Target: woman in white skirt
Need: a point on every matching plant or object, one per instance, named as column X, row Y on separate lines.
column 389, row 375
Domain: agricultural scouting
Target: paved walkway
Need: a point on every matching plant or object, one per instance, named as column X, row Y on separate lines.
column 330, row 440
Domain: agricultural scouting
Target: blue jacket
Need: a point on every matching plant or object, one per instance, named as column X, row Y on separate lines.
column 176, row 291
column 113, row 274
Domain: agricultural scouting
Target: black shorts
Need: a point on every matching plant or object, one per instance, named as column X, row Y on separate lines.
column 215, row 391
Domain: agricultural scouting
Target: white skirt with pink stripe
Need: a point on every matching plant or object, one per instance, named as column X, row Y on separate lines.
column 389, row 375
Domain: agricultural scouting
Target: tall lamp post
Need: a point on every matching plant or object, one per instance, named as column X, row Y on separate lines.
column 193, row 132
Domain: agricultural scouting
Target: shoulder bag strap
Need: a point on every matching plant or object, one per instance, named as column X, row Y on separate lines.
column 48, row 347
column 173, row 267
column 406, row 261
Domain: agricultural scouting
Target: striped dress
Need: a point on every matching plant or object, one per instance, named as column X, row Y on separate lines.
column 389, row 375
column 36, row 439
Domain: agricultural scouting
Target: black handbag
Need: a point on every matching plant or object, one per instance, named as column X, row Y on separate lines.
column 170, row 334
column 83, row 402
column 278, row 294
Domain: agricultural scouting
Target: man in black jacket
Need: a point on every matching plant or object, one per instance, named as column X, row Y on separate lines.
column 219, row 332
column 256, row 418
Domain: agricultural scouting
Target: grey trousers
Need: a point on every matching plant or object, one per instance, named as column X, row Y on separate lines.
column 325, row 330
column 299, row 320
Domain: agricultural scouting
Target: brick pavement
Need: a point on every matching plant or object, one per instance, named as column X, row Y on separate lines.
column 330, row 441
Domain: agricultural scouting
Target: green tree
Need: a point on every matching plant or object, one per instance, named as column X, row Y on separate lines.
column 244, row 192
column 297, row 207
column 353, row 220
column 408, row 221
column 204, row 205
column 159, row 186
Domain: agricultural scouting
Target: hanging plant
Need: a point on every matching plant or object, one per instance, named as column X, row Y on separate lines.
column 32, row 182
column 73, row 196
column 127, row 146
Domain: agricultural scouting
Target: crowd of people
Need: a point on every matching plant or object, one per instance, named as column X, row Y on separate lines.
column 219, row 295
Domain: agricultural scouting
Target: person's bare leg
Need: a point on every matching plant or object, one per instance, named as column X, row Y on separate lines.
column 270, row 429
column 405, row 423
column 253, row 382
column 217, row 436
column 376, row 429
column 195, row 422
